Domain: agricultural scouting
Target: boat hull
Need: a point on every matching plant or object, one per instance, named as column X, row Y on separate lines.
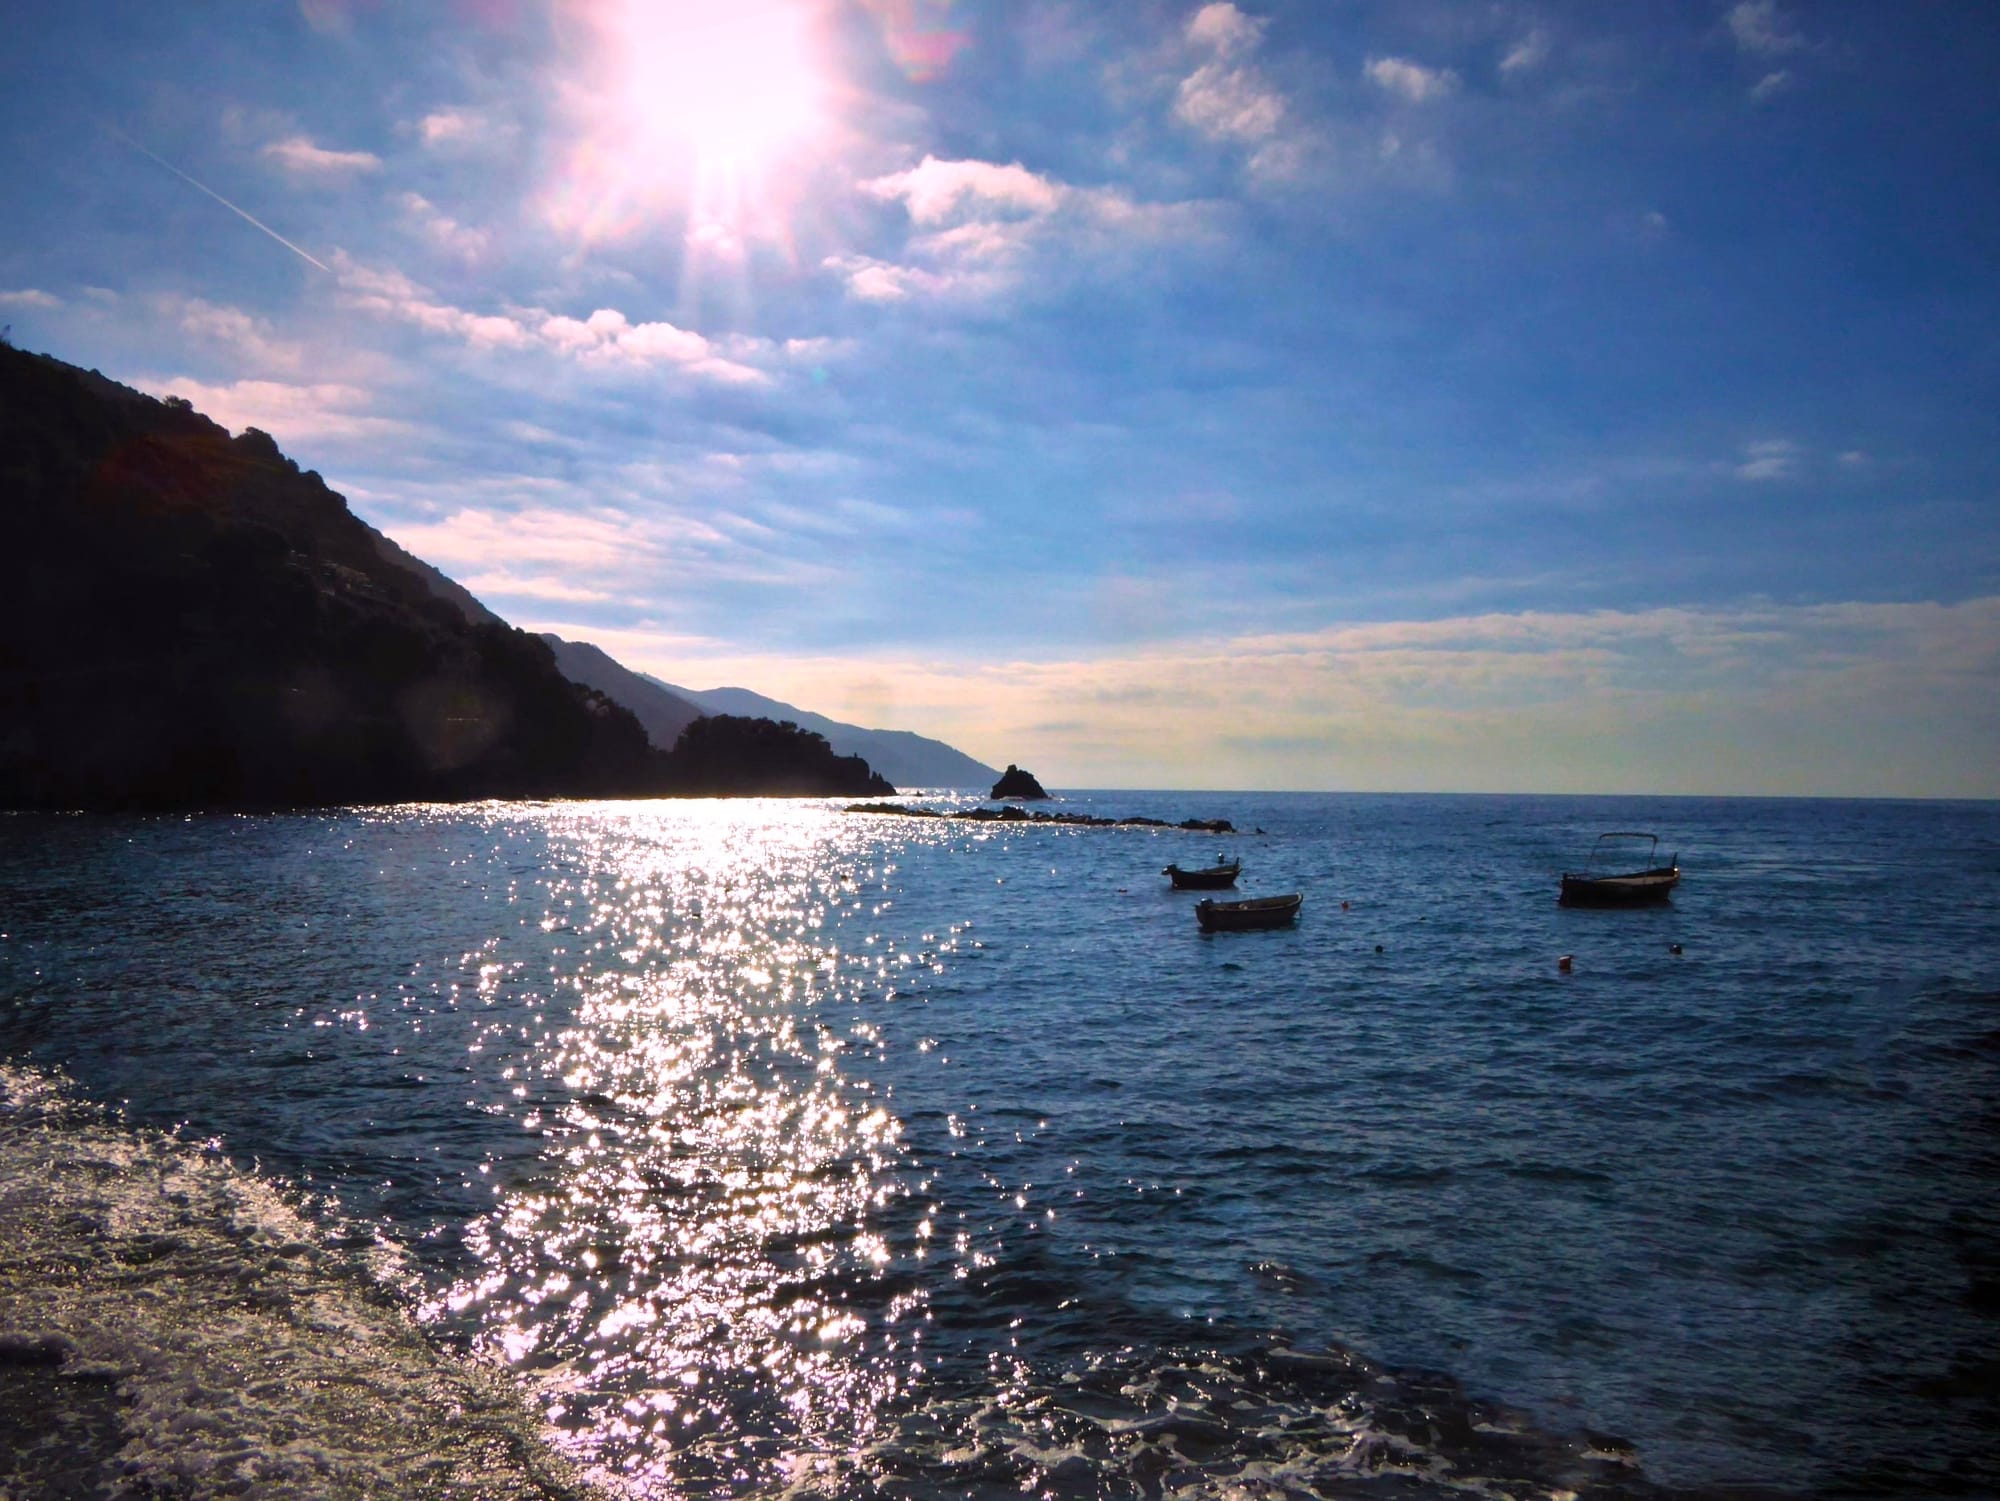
column 1211, row 878
column 1640, row 888
column 1258, row 912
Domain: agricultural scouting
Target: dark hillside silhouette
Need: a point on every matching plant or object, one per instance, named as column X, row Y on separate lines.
column 188, row 620
column 663, row 714
column 722, row 755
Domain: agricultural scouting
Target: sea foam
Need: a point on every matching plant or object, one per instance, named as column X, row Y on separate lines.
column 170, row 1325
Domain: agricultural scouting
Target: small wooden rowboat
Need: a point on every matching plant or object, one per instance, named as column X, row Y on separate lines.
column 1205, row 877
column 1602, row 884
column 1256, row 912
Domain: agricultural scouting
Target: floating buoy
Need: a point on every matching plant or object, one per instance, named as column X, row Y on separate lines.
column 1565, row 962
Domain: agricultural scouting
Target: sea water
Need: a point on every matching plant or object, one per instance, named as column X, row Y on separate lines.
column 765, row 1147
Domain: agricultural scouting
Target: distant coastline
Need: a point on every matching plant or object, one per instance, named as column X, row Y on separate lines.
column 1017, row 814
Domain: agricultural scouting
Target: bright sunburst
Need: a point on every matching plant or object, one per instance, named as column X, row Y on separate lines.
column 702, row 108
column 735, row 82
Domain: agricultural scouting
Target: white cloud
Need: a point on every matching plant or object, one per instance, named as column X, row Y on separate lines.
column 1229, row 104
column 297, row 154
column 30, row 297
column 1224, row 29
column 1769, row 459
column 606, row 337
column 1413, row 81
column 934, row 191
column 1226, row 97
column 871, row 280
column 1760, row 27
column 453, row 127
column 1770, row 84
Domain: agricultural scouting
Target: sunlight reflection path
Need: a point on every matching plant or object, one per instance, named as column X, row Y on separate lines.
column 697, row 1269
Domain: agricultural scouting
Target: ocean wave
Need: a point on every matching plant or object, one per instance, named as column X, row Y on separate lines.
column 171, row 1326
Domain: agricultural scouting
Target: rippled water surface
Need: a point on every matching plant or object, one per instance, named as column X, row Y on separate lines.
column 768, row 1144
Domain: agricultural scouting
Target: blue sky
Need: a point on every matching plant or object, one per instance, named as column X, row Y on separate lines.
column 1296, row 395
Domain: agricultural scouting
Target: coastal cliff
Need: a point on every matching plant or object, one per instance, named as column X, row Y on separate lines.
column 189, row 620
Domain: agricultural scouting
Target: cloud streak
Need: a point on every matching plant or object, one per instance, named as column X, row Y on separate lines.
column 605, row 338
column 298, row 155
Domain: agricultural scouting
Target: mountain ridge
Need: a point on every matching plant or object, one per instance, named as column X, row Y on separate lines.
column 194, row 621
column 663, row 714
column 920, row 760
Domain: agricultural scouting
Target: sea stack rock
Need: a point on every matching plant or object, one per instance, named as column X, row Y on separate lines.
column 1015, row 782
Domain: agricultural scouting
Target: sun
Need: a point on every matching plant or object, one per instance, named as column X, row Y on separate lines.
column 734, row 82
column 711, row 115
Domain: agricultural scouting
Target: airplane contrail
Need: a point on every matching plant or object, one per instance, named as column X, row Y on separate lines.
column 304, row 255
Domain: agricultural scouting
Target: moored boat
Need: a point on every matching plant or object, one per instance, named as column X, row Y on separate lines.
column 1205, row 877
column 1253, row 912
column 1603, row 884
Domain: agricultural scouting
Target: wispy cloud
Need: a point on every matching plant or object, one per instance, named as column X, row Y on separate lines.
column 1526, row 55
column 597, row 542
column 1769, row 459
column 1760, row 27
column 1771, row 84
column 981, row 221
column 1752, row 698
column 640, row 540
column 298, row 155
column 310, row 414
column 30, row 297
column 1409, row 80
column 248, row 339
column 440, row 229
